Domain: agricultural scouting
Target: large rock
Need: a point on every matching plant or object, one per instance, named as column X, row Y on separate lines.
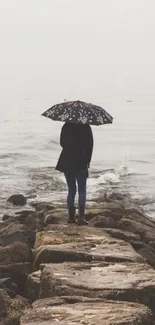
column 21, row 215
column 55, row 217
column 35, row 221
column 102, row 248
column 2, row 307
column 13, row 307
column 116, row 215
column 146, row 232
column 11, row 227
column 32, row 288
column 139, row 216
column 60, row 254
column 15, row 253
column 87, row 312
column 102, row 222
column 123, row 234
column 17, row 273
column 43, row 207
column 27, row 237
column 16, row 232
column 120, row 281
column 61, row 234
column 148, row 254
column 17, row 199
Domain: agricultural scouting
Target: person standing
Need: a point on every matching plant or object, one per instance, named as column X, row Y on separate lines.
column 76, row 141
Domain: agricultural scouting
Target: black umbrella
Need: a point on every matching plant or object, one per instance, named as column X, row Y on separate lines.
column 78, row 112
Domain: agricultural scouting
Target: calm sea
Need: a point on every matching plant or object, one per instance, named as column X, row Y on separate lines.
column 123, row 158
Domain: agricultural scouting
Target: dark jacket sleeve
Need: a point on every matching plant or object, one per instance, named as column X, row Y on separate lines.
column 90, row 144
column 62, row 136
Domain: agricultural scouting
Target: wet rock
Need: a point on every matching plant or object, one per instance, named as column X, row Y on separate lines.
column 17, row 199
column 61, row 234
column 120, row 281
column 43, row 207
column 7, row 217
column 16, row 232
column 122, row 234
column 18, row 273
column 14, row 308
column 138, row 244
column 55, row 217
column 32, row 288
column 20, row 216
column 102, row 222
column 139, row 216
column 87, row 312
column 35, row 221
column 2, row 307
column 104, row 250
column 15, row 253
column 115, row 214
column 148, row 254
column 6, row 283
column 60, row 254
column 87, row 240
column 146, row 233
column 11, row 228
column 32, row 223
column 152, row 244
column 6, row 240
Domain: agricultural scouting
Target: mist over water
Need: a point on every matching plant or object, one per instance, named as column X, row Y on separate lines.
column 123, row 158
column 98, row 51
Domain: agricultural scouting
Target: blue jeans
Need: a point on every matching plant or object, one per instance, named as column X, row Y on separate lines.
column 74, row 179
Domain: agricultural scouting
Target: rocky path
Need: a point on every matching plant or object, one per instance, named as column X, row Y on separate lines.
column 53, row 273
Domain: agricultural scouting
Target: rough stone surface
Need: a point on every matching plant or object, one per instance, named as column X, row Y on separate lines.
column 35, row 221
column 88, row 312
column 148, row 254
column 15, row 253
column 102, row 222
column 11, row 227
column 102, row 248
column 14, row 308
column 126, row 281
column 32, row 288
column 145, row 231
column 17, row 199
column 122, row 234
column 27, row 237
column 55, row 217
column 93, row 274
column 18, row 274
column 116, row 215
column 43, row 207
column 2, row 307
column 21, row 215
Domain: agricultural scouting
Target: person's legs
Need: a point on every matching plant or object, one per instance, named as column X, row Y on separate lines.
column 71, row 182
column 82, row 182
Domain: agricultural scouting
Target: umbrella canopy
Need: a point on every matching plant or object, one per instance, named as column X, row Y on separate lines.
column 78, row 112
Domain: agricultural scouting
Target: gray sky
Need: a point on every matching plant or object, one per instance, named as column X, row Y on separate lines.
column 89, row 49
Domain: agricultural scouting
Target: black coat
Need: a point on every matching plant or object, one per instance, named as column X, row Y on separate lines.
column 77, row 143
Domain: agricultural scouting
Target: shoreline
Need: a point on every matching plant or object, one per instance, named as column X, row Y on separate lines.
column 54, row 272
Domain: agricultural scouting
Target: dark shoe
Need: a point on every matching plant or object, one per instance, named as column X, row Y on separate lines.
column 81, row 219
column 71, row 213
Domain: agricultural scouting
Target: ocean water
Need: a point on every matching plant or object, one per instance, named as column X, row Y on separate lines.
column 123, row 158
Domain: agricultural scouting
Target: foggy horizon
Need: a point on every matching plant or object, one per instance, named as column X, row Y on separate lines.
column 72, row 49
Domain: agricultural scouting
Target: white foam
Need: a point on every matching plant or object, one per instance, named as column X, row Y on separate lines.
column 126, row 171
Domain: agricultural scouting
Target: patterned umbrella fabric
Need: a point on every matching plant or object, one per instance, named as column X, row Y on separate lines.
column 78, row 112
